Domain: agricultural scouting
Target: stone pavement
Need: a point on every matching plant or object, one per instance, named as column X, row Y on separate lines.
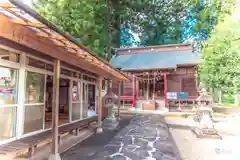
column 146, row 138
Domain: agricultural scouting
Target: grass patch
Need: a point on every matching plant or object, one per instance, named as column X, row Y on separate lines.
column 227, row 98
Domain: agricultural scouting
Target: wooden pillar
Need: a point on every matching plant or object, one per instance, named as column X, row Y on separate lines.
column 119, row 100
column 165, row 88
column 99, row 129
column 154, row 86
column 55, row 107
column 137, row 87
column 148, row 87
column 133, row 91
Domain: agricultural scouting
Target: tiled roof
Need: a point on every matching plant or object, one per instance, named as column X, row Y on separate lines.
column 154, row 60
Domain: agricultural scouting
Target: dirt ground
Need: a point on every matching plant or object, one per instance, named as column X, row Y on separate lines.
column 192, row 148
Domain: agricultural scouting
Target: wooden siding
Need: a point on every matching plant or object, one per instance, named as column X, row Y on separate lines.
column 181, row 80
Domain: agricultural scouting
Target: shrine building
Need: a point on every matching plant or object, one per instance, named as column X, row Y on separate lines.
column 158, row 75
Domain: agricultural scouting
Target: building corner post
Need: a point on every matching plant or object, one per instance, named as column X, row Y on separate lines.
column 99, row 128
column 55, row 107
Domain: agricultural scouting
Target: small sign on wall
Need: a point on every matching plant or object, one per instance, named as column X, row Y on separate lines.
column 172, row 95
column 177, row 95
column 182, row 95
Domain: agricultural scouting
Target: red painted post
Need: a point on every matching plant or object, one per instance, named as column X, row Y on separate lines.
column 165, row 88
column 133, row 91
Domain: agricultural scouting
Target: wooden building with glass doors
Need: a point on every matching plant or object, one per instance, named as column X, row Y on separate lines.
column 47, row 79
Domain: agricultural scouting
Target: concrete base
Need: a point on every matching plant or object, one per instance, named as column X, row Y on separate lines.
column 99, row 130
column 110, row 124
column 54, row 157
column 210, row 133
column 118, row 118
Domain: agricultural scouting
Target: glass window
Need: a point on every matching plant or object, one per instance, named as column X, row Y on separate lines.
column 83, row 92
column 36, row 63
column 33, row 120
column 35, row 88
column 49, row 67
column 9, row 56
column 8, row 85
column 7, row 122
column 85, row 110
column 76, row 105
column 65, row 72
column 85, row 104
column 91, row 95
column 76, row 111
column 75, row 91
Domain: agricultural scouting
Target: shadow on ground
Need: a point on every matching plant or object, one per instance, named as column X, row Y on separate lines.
column 145, row 137
column 86, row 149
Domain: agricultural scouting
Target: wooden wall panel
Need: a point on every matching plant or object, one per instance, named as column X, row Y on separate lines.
column 182, row 80
column 127, row 91
column 173, row 83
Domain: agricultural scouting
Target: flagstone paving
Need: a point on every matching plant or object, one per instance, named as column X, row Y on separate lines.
column 146, row 137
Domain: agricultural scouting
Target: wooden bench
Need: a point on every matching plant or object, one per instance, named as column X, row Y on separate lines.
column 76, row 126
column 29, row 144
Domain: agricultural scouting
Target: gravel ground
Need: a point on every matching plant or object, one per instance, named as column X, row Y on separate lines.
column 192, row 148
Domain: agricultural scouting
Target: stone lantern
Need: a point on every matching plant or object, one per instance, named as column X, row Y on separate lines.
column 204, row 118
column 109, row 100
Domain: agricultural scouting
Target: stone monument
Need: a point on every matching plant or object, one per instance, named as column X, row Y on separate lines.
column 110, row 122
column 203, row 117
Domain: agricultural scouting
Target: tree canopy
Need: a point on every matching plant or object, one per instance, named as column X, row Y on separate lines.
column 105, row 25
column 220, row 65
column 83, row 19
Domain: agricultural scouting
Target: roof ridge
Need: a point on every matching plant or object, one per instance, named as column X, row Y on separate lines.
column 155, row 46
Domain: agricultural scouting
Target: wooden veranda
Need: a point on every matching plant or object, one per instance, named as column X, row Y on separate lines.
column 22, row 30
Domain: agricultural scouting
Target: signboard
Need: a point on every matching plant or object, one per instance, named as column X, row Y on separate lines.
column 172, row 95
column 74, row 93
column 182, row 95
column 7, row 91
column 5, row 76
column 177, row 95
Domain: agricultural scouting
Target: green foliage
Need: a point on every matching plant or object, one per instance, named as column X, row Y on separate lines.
column 220, row 66
column 157, row 21
column 84, row 19
column 97, row 24
column 228, row 98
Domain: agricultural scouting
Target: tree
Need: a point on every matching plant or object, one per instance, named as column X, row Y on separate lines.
column 156, row 22
column 220, row 65
column 105, row 25
column 84, row 19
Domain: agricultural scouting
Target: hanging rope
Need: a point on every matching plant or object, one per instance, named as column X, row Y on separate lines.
column 150, row 79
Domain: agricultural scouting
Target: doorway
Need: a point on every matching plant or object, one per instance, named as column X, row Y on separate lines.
column 63, row 101
column 89, row 98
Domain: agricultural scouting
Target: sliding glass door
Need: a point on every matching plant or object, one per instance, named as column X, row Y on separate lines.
column 8, row 102
column 34, row 102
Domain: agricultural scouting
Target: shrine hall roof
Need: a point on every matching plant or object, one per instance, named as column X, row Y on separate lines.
column 157, row 57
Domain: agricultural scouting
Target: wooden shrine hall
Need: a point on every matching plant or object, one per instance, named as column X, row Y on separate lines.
column 156, row 74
